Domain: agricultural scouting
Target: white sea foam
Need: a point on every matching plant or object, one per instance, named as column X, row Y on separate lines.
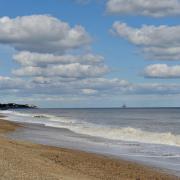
column 122, row 134
column 8, row 112
column 131, row 134
column 15, row 113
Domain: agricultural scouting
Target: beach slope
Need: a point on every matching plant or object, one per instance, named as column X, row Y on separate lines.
column 27, row 161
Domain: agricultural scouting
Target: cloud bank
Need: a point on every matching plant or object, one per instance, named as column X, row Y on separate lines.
column 50, row 64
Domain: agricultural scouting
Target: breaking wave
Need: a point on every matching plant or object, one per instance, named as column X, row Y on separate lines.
column 122, row 134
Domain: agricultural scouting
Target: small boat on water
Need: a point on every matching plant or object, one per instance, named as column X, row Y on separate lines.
column 124, row 106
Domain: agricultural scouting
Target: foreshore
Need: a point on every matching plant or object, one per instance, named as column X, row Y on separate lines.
column 21, row 160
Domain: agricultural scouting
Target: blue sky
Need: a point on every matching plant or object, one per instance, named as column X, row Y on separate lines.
column 134, row 65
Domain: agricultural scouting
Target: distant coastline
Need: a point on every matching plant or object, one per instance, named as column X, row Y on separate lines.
column 16, row 106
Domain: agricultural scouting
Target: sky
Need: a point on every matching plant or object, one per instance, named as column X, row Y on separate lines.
column 90, row 53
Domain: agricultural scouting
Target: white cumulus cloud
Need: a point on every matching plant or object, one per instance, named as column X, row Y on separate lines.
column 156, row 42
column 74, row 70
column 162, row 71
column 26, row 58
column 41, row 33
column 151, row 8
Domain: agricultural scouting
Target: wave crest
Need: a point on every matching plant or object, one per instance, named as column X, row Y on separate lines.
column 122, row 134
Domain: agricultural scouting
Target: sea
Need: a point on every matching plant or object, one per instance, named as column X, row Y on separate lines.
column 149, row 136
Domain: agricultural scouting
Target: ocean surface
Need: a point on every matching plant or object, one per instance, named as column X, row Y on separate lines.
column 146, row 135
